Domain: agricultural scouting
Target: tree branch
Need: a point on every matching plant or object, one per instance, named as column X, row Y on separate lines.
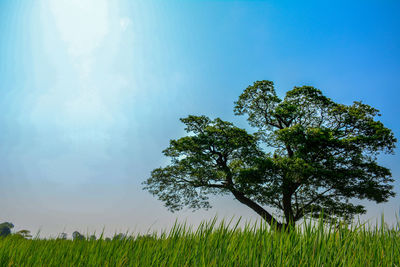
column 299, row 213
column 257, row 208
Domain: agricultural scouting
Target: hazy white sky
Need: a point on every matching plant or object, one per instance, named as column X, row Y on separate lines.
column 92, row 91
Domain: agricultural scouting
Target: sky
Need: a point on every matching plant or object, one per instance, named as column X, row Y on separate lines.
column 92, row 91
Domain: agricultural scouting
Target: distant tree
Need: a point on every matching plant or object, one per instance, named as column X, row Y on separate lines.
column 5, row 228
column 146, row 237
column 63, row 236
column 24, row 233
column 92, row 238
column 77, row 236
column 119, row 236
column 107, row 239
column 316, row 155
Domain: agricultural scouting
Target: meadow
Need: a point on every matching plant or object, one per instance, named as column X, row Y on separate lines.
column 212, row 244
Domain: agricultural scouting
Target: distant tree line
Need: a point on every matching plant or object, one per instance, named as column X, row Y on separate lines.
column 5, row 230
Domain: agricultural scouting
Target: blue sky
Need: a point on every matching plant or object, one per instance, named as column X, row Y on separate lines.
column 92, row 91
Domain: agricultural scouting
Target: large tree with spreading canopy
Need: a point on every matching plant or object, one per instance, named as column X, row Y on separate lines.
column 308, row 155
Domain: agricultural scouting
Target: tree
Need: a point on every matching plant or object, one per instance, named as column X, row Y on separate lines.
column 24, row 233
column 92, row 238
column 317, row 155
column 119, row 237
column 63, row 236
column 5, row 228
column 77, row 236
column 145, row 238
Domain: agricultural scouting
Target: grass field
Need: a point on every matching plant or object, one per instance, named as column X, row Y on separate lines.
column 216, row 245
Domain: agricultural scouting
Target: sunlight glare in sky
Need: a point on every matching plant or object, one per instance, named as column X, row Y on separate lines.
column 83, row 25
column 82, row 96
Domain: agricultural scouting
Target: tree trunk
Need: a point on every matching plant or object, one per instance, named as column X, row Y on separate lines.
column 258, row 209
column 288, row 210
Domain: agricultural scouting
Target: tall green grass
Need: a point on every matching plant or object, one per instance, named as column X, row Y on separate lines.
column 217, row 245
